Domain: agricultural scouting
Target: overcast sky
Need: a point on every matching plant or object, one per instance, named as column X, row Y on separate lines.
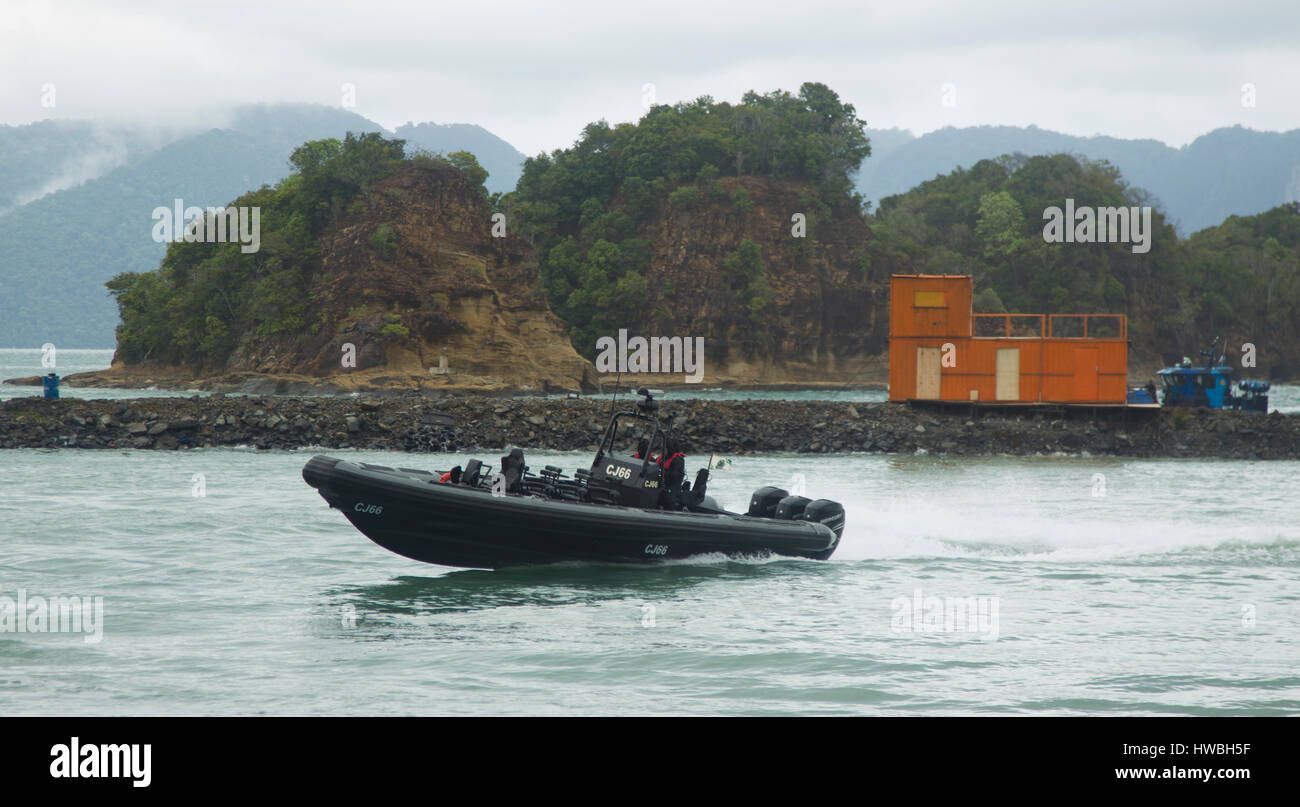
column 536, row 73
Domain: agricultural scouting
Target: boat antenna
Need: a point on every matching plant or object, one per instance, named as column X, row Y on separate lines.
column 1212, row 352
column 612, row 402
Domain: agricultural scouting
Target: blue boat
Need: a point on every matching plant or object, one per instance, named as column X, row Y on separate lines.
column 1210, row 385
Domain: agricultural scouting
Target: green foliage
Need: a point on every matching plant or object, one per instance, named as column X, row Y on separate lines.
column 584, row 206
column 988, row 302
column 332, row 173
column 684, row 197
column 468, row 163
column 1000, row 223
column 393, row 328
column 192, row 308
column 745, row 267
column 746, row 262
column 384, row 241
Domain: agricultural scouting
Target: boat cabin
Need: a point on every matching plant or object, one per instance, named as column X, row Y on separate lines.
column 1186, row 385
column 1210, row 385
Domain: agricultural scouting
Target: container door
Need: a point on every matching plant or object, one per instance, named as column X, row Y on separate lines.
column 927, row 372
column 1085, row 373
column 1008, row 374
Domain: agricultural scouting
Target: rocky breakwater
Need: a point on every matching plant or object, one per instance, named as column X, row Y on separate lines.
column 418, row 423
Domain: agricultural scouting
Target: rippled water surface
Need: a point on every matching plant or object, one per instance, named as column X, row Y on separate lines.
column 1120, row 587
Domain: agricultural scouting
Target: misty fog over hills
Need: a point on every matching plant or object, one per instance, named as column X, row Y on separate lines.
column 79, row 199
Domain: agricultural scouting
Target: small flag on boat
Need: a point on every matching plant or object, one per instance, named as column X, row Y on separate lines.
column 721, row 464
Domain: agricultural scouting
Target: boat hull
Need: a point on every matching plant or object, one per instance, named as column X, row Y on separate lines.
column 409, row 513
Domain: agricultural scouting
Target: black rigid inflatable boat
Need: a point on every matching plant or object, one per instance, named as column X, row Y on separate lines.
column 629, row 507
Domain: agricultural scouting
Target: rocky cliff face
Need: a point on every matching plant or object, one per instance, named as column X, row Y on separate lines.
column 416, row 275
column 411, row 273
column 826, row 321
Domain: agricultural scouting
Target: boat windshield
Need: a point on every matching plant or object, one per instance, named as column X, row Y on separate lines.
column 628, row 433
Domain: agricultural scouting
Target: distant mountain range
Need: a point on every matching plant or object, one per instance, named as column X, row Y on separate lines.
column 1225, row 172
column 76, row 201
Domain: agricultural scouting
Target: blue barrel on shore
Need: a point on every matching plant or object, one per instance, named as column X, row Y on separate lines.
column 51, row 386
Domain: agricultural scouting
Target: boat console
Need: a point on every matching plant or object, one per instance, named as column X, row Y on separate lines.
column 630, row 470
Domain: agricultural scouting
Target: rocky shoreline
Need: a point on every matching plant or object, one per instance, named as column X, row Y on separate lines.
column 381, row 383
column 419, row 424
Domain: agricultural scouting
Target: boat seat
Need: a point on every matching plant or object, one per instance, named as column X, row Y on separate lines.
column 513, row 469
column 700, row 487
column 472, row 474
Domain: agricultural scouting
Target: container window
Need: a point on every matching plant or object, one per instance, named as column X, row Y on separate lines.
column 929, row 299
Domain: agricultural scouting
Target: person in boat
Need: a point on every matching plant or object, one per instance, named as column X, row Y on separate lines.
column 513, row 469
column 673, row 463
column 641, row 448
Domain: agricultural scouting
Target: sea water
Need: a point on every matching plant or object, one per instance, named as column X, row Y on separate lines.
column 217, row 582
column 1053, row 585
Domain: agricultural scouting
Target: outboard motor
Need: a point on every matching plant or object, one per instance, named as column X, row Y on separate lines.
column 764, row 501
column 826, row 512
column 792, row 507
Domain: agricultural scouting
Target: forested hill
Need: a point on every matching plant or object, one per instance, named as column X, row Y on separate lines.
column 1224, row 172
column 1239, row 280
column 364, row 249
column 736, row 223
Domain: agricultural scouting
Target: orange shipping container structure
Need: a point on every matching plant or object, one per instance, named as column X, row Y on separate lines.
column 940, row 350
